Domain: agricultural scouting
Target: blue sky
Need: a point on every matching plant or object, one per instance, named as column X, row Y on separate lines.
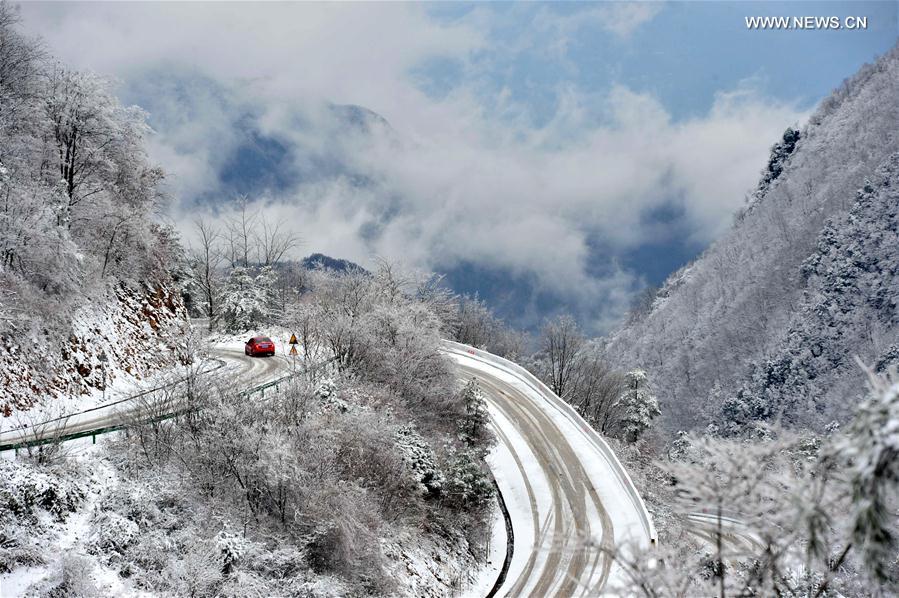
column 549, row 156
column 683, row 54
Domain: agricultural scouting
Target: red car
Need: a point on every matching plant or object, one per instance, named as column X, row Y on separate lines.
column 259, row 345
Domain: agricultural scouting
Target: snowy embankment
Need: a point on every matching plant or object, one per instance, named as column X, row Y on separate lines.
column 118, row 339
column 530, row 489
column 98, row 410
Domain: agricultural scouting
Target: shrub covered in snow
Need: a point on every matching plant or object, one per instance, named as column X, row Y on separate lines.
column 111, row 532
column 419, row 458
column 468, row 484
column 26, row 489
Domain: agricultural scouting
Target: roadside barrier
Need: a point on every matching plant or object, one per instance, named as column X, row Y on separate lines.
column 568, row 411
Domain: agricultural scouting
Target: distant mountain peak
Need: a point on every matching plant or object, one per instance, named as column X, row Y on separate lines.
column 320, row 261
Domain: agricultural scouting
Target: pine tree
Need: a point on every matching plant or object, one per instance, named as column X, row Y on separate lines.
column 419, row 458
column 638, row 405
column 473, row 427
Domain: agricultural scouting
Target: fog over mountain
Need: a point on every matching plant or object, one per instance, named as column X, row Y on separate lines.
column 531, row 237
column 477, row 142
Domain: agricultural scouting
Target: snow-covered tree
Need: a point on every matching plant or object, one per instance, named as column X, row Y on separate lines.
column 870, row 449
column 804, row 280
column 638, row 405
column 467, row 482
column 473, row 426
column 560, row 341
column 419, row 458
column 247, row 299
column 786, row 514
column 596, row 388
column 205, row 261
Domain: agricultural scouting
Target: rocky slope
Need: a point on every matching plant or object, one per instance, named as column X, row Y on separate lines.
column 136, row 331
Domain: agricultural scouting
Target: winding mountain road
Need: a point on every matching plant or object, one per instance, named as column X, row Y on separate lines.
column 573, row 502
column 570, row 500
column 246, row 371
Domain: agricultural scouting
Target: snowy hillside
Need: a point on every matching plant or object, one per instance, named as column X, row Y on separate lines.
column 127, row 333
column 86, row 271
column 804, row 280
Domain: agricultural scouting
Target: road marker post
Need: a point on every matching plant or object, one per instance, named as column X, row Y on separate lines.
column 293, row 352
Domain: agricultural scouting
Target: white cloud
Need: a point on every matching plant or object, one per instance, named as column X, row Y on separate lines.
column 623, row 18
column 454, row 182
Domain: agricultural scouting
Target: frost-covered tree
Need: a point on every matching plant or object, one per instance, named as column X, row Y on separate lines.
column 467, row 482
column 79, row 237
column 419, row 458
column 247, row 299
column 473, row 426
column 803, row 281
column 870, row 449
column 205, row 268
column 475, row 324
column 596, row 388
column 560, row 341
column 785, row 514
column 637, row 404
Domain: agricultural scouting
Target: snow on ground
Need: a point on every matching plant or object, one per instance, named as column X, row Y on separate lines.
column 70, row 538
column 521, row 479
column 279, row 335
column 502, row 464
column 104, row 403
column 607, row 476
column 120, row 385
column 434, row 566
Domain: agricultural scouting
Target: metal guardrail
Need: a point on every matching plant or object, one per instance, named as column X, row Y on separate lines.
column 219, row 365
column 568, row 411
column 51, row 438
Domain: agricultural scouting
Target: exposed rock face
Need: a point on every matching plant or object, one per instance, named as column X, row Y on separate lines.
column 136, row 330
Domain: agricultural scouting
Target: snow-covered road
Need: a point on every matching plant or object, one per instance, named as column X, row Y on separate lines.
column 570, row 499
column 246, row 373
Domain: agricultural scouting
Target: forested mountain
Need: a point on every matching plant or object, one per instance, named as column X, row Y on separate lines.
column 84, row 265
column 320, row 261
column 767, row 323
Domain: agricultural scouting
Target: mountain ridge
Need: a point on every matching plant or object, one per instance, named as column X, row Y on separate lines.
column 716, row 321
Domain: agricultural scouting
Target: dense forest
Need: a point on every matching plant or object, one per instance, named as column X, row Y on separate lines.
column 767, row 323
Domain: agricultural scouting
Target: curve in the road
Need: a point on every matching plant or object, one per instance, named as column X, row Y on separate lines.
column 569, row 559
column 248, row 371
column 575, row 503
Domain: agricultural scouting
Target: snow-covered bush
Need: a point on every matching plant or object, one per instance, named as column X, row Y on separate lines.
column 25, row 489
column 111, row 532
column 419, row 458
column 197, row 572
column 468, row 484
column 20, row 545
column 326, row 387
column 69, row 577
column 232, row 546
